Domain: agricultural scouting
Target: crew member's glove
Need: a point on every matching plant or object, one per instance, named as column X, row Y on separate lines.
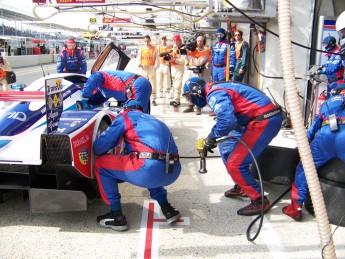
column 210, row 143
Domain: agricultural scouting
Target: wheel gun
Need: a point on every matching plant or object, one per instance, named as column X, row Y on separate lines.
column 203, row 155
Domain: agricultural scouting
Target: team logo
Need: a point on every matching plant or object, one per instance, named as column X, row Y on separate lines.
column 84, row 156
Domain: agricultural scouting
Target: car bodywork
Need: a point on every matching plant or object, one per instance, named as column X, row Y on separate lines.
column 54, row 166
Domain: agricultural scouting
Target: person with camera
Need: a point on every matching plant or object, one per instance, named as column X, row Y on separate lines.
column 163, row 71
column 71, row 59
column 177, row 63
column 5, row 67
column 151, row 161
column 148, row 63
column 198, row 59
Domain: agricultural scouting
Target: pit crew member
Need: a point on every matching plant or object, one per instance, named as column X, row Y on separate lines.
column 117, row 84
column 150, row 161
column 256, row 120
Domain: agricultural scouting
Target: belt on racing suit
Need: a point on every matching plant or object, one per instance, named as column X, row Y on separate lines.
column 219, row 65
column 157, row 156
column 340, row 121
column 128, row 86
column 267, row 115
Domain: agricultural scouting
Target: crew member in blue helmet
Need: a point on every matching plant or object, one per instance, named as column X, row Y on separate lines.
column 333, row 67
column 326, row 137
column 121, row 85
column 71, row 59
column 219, row 56
column 150, row 161
column 256, row 120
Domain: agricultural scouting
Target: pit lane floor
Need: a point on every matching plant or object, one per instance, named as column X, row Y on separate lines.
column 210, row 227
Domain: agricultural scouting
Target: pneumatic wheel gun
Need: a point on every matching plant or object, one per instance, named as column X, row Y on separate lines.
column 203, row 154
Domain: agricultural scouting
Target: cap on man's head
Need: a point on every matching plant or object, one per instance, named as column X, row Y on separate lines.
column 177, row 37
column 70, row 41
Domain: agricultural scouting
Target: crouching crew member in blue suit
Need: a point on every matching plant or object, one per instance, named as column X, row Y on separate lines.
column 117, row 84
column 248, row 114
column 326, row 137
column 150, row 161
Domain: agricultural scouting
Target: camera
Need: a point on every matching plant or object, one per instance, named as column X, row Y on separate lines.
column 166, row 57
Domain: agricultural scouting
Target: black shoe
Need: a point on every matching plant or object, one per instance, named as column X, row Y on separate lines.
column 174, row 103
column 170, row 213
column 109, row 220
column 254, row 208
column 189, row 109
column 198, row 111
column 234, row 192
column 154, row 103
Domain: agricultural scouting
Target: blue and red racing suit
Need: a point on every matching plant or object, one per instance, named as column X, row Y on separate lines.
column 143, row 134
column 246, row 113
column 219, row 60
column 74, row 62
column 333, row 69
column 324, row 144
column 121, row 85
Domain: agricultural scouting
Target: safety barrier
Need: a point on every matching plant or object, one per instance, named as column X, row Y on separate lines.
column 32, row 60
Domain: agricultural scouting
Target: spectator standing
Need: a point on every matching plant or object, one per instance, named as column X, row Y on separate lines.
column 198, row 65
column 242, row 56
column 164, row 70
column 177, row 63
column 71, row 59
column 149, row 62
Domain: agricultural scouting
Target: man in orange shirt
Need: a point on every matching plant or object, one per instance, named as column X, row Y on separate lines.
column 198, row 65
column 163, row 71
column 148, row 62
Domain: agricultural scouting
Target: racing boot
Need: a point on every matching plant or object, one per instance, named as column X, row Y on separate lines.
column 293, row 210
column 254, row 208
column 198, row 111
column 114, row 220
column 170, row 213
column 189, row 109
column 236, row 191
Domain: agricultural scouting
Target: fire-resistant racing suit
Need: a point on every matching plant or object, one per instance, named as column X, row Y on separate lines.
column 71, row 62
column 121, row 85
column 247, row 113
column 324, row 144
column 147, row 140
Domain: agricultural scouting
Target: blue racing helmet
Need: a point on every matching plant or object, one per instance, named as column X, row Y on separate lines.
column 329, row 43
column 132, row 104
column 194, row 90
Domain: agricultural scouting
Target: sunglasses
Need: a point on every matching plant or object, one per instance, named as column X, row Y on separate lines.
column 237, row 34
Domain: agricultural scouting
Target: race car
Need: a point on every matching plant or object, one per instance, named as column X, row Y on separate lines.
column 46, row 137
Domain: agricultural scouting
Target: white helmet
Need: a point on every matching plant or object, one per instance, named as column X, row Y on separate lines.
column 340, row 27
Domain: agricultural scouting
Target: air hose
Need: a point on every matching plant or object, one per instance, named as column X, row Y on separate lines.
column 293, row 104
